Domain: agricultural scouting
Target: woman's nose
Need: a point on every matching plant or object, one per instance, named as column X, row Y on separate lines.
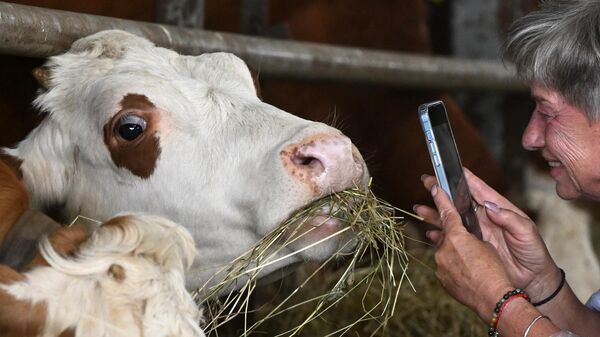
column 533, row 137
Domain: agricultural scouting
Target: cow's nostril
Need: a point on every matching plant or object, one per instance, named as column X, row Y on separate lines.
column 308, row 163
column 304, row 161
column 327, row 162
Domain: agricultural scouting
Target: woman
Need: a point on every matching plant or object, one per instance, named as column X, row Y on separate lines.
column 509, row 278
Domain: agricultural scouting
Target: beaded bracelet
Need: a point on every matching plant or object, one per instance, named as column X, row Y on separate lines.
column 492, row 329
column 560, row 286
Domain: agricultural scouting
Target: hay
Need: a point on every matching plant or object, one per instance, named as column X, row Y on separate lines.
column 423, row 312
column 373, row 273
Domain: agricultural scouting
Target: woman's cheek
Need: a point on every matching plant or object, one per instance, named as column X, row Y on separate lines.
column 566, row 146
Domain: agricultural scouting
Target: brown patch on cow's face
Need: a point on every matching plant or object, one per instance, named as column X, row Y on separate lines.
column 23, row 319
column 137, row 153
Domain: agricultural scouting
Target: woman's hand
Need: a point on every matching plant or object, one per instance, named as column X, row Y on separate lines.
column 469, row 269
column 509, row 230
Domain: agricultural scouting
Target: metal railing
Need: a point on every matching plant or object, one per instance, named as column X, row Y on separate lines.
column 38, row 32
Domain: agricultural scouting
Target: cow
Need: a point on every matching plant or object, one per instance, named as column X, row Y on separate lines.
column 564, row 225
column 131, row 126
column 127, row 279
column 124, row 279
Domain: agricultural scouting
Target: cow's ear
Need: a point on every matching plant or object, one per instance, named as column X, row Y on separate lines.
column 256, row 81
column 43, row 75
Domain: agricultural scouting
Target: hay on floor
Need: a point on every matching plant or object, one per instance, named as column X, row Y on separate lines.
column 363, row 291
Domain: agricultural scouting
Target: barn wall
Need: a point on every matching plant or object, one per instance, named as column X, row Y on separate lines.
column 476, row 34
column 475, row 29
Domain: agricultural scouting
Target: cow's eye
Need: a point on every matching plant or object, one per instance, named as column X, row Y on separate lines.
column 130, row 127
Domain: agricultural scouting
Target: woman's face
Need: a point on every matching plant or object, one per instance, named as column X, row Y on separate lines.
column 569, row 142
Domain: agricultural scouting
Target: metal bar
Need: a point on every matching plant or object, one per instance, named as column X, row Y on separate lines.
column 36, row 32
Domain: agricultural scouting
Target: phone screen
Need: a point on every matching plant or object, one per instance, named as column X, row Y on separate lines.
column 446, row 162
column 459, row 190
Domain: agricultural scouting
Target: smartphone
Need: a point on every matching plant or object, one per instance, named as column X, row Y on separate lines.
column 446, row 162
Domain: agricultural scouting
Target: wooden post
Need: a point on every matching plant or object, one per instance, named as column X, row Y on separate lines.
column 182, row 13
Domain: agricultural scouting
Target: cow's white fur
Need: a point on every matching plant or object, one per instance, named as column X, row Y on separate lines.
column 151, row 299
column 565, row 227
column 219, row 171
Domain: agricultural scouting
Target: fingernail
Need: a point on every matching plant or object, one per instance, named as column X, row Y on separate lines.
column 434, row 190
column 428, row 234
column 423, row 177
column 491, row 206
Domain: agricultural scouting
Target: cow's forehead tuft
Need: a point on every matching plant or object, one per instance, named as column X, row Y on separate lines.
column 109, row 43
column 114, row 51
column 214, row 69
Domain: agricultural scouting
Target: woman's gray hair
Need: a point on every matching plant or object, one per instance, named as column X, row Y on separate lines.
column 558, row 47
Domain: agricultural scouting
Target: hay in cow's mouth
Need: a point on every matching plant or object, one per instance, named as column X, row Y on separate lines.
column 378, row 262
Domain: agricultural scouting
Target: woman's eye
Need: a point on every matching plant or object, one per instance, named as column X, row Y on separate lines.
column 546, row 116
column 130, row 127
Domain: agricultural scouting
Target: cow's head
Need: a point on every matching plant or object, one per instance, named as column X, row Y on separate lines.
column 135, row 127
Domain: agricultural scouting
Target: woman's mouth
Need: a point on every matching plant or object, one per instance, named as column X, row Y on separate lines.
column 554, row 163
column 556, row 169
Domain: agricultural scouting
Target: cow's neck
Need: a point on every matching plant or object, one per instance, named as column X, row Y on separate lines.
column 221, row 232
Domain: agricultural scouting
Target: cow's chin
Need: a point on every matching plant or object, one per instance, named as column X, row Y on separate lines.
column 320, row 237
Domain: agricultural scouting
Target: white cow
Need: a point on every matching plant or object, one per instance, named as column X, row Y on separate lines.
column 127, row 279
column 134, row 127
column 565, row 227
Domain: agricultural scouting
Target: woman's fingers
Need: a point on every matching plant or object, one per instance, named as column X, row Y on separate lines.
column 429, row 215
column 481, row 192
column 511, row 221
column 434, row 235
column 428, row 181
column 449, row 217
column 445, row 217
